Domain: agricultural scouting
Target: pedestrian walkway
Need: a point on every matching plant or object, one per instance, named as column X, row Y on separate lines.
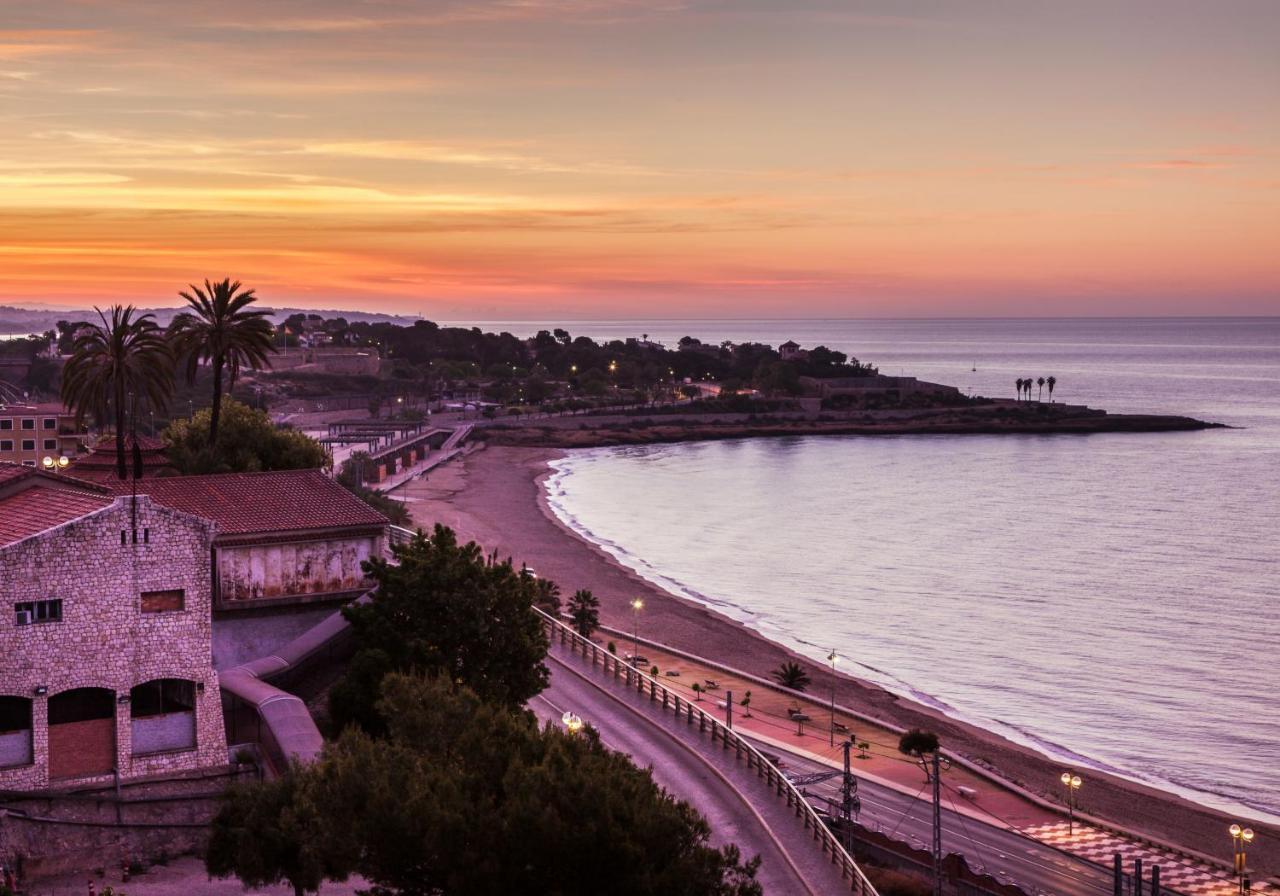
column 1176, row 873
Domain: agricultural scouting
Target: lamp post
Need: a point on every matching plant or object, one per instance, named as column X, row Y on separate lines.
column 636, row 606
column 831, row 658
column 1241, row 838
column 1071, row 787
column 572, row 723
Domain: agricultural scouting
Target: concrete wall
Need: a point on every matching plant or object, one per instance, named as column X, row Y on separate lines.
column 256, row 573
column 104, row 639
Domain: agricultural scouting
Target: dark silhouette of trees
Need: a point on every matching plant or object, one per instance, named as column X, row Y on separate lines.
column 1051, row 382
column 1040, row 394
column 114, row 365
column 223, row 330
column 466, row 797
column 584, row 610
column 443, row 607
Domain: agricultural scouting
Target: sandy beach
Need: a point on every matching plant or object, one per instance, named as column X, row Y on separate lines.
column 495, row 498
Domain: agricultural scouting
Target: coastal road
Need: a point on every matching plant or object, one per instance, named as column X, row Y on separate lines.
column 1012, row 858
column 739, row 808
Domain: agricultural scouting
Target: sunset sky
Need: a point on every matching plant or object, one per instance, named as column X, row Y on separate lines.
column 669, row 158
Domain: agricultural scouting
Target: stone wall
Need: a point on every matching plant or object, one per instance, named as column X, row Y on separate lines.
column 104, row 640
column 292, row 571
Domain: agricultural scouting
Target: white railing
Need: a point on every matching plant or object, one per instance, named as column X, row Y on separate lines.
column 683, row 709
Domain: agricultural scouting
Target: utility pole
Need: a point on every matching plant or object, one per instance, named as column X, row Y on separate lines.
column 937, row 824
column 728, row 709
column 850, row 805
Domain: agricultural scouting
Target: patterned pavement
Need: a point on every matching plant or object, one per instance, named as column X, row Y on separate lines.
column 1183, row 875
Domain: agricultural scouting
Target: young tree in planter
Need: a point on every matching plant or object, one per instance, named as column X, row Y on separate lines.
column 791, row 675
column 584, row 609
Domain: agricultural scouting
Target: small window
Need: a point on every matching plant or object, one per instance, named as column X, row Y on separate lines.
column 50, row 444
column 163, row 601
column 50, row 423
column 33, row 612
column 6, row 423
column 28, row 444
column 124, row 538
column 28, row 423
column 146, row 536
column 6, row 444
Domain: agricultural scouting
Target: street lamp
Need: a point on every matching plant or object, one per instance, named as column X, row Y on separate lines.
column 571, row 722
column 831, row 658
column 636, row 606
column 1071, row 786
column 1241, row 838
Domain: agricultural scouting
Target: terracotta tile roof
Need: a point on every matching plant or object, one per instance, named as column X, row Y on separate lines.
column 11, row 473
column 34, row 510
column 261, row 503
column 100, row 463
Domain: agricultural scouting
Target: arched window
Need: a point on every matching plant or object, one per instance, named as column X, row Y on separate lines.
column 15, row 732
column 163, row 715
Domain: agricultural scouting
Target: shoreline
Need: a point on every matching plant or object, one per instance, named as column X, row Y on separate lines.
column 497, row 498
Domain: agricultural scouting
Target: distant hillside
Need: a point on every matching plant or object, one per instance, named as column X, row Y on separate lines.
column 38, row 320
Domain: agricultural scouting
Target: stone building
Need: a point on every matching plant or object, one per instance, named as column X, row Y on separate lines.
column 284, row 537
column 105, row 665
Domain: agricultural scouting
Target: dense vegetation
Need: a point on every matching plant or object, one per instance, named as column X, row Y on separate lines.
column 247, row 442
column 461, row 796
column 441, row 782
column 443, row 607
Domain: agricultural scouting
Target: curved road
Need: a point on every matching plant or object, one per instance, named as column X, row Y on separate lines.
column 740, row 808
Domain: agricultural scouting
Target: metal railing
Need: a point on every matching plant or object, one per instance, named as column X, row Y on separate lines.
column 684, row 709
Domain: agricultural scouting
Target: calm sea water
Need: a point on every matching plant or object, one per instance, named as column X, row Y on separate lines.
column 1111, row 599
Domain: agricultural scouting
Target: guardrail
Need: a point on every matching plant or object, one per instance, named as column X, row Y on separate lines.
column 684, row 709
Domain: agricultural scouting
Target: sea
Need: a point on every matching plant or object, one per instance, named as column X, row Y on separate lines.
column 1111, row 599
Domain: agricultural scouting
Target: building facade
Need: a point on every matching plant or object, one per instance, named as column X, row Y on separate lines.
column 31, row 432
column 284, row 537
column 105, row 654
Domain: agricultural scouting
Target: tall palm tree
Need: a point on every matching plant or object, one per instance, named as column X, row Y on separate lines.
column 223, row 330
column 1040, row 394
column 114, row 363
column 1051, row 381
column 1019, row 388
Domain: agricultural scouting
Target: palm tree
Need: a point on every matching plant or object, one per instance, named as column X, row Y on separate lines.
column 1019, row 388
column 791, row 675
column 1040, row 394
column 584, row 610
column 221, row 329
column 1051, row 381
column 114, row 363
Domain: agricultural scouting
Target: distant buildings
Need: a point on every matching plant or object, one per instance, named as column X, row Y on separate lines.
column 791, row 351
column 31, row 432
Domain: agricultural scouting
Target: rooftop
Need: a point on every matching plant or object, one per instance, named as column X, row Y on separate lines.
column 261, row 503
column 41, row 507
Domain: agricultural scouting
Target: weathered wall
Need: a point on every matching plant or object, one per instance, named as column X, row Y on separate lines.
column 294, row 570
column 104, row 640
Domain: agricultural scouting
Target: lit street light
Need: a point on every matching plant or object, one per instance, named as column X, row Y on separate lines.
column 636, row 606
column 831, row 658
column 571, row 722
column 1241, row 838
column 1071, row 785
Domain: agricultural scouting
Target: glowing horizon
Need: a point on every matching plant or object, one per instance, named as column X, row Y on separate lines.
column 620, row 158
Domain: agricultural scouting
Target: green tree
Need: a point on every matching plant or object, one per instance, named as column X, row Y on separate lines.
column 221, row 329
column 114, row 364
column 1051, row 382
column 584, row 609
column 469, row 798
column 1040, row 394
column 791, row 675
column 918, row 742
column 250, row 442
column 272, row 832
column 443, row 607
